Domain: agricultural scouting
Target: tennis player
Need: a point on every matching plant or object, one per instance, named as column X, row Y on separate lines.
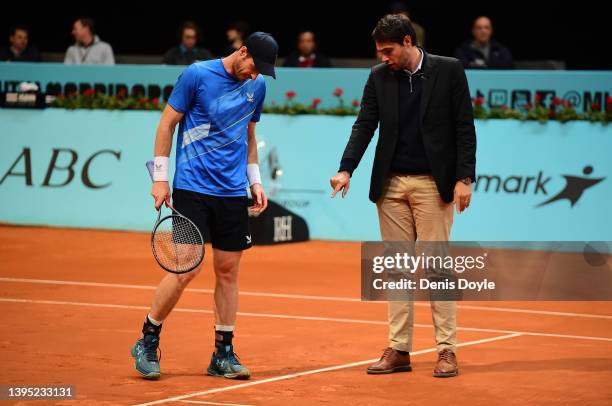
column 217, row 104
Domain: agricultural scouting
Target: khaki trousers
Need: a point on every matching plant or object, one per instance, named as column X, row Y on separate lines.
column 411, row 209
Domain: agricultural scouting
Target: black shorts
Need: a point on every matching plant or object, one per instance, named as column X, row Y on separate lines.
column 226, row 218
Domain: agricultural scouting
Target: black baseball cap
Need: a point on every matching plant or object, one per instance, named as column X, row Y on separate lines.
column 264, row 50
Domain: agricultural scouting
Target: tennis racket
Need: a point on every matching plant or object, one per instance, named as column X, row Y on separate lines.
column 177, row 243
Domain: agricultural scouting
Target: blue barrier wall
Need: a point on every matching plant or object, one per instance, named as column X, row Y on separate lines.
column 497, row 87
column 520, row 167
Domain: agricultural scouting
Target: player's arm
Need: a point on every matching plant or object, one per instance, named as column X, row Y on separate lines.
column 163, row 145
column 260, row 200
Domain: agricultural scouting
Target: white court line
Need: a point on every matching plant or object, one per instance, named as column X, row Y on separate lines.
column 309, row 318
column 313, row 371
column 530, row 311
column 201, row 402
column 304, row 297
column 193, row 290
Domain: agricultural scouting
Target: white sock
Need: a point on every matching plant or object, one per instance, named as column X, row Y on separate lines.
column 222, row 327
column 153, row 321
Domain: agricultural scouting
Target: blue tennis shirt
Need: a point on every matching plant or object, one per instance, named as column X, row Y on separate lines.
column 211, row 148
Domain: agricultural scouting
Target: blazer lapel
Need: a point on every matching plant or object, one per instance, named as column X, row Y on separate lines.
column 430, row 70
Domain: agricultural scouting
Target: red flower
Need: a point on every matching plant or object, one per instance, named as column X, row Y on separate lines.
column 552, row 114
column 609, row 104
column 121, row 93
column 567, row 104
column 356, row 103
column 155, row 102
column 290, row 94
column 528, row 106
column 504, row 107
column 315, row 103
column 479, row 101
column 538, row 98
column 73, row 94
column 89, row 92
column 143, row 100
column 595, row 106
column 556, row 101
column 338, row 92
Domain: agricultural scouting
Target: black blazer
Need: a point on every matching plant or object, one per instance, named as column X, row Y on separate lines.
column 447, row 124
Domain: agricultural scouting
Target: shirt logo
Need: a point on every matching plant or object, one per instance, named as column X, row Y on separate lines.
column 248, row 239
column 250, row 97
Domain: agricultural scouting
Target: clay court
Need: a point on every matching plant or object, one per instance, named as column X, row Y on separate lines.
column 73, row 302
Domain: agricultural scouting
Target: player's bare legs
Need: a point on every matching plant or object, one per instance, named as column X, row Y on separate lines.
column 169, row 292
column 226, row 264
column 166, row 296
column 223, row 361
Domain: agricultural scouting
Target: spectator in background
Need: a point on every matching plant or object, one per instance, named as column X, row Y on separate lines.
column 236, row 33
column 483, row 52
column 306, row 56
column 400, row 7
column 88, row 49
column 19, row 49
column 186, row 53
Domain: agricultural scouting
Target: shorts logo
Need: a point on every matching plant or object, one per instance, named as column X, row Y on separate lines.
column 248, row 239
column 250, row 97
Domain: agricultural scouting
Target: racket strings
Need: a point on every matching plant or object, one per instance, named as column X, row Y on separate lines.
column 177, row 244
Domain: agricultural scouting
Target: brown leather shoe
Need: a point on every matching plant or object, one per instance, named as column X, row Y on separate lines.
column 447, row 365
column 391, row 361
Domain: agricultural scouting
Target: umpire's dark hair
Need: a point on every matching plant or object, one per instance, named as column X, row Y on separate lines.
column 189, row 25
column 89, row 23
column 393, row 28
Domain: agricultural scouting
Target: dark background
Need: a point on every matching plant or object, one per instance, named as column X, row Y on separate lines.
column 534, row 30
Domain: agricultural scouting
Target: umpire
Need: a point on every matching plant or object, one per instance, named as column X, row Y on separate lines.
column 424, row 164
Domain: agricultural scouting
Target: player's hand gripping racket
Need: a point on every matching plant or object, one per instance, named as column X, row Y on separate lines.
column 177, row 243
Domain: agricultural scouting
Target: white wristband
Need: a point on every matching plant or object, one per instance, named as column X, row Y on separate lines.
column 253, row 174
column 160, row 168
